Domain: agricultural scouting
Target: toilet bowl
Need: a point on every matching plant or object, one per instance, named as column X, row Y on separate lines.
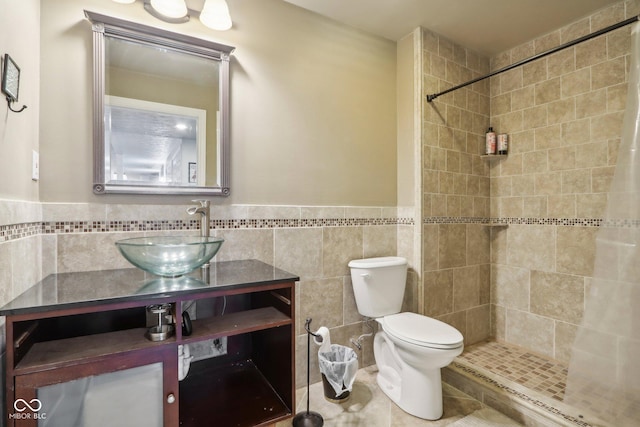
column 409, row 358
column 410, row 349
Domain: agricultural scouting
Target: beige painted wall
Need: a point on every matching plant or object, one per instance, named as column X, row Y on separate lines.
column 19, row 132
column 406, row 114
column 313, row 106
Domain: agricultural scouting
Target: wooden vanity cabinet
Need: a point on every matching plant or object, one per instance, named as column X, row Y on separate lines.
column 253, row 384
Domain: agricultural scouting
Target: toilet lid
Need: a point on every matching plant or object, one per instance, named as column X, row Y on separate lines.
column 421, row 330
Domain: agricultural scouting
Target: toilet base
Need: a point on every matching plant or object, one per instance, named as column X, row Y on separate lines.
column 410, row 376
column 418, row 393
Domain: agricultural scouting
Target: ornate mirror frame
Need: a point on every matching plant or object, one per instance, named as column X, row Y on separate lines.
column 105, row 26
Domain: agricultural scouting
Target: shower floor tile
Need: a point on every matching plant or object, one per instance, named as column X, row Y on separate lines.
column 519, row 365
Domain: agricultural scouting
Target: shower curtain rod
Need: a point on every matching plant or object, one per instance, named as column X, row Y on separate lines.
column 538, row 56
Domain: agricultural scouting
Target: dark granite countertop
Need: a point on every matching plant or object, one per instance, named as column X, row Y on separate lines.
column 90, row 288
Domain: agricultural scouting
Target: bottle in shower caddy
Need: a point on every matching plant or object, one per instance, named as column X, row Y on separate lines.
column 503, row 143
column 490, row 141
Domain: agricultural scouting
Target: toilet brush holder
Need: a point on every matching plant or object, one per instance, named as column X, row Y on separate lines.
column 308, row 418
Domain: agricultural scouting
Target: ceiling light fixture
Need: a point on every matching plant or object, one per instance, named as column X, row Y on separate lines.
column 215, row 13
column 172, row 11
column 170, row 8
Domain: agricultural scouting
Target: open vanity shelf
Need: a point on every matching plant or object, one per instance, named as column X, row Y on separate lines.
column 55, row 339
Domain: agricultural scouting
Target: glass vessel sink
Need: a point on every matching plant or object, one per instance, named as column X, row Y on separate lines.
column 169, row 256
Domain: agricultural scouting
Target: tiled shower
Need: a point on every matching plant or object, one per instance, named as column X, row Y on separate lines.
column 516, row 235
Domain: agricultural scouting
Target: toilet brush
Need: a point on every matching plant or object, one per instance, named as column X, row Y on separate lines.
column 308, row 418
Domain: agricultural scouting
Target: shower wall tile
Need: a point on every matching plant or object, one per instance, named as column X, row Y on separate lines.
column 608, row 16
column 590, row 104
column 608, row 73
column 576, row 250
column 592, row 155
column 576, row 132
column 591, row 205
column 478, row 323
column 557, row 296
column 456, row 184
column 573, row 103
column 430, row 247
column 531, row 247
column 459, row 321
column 466, row 288
column 510, row 287
column 452, row 245
column 616, row 97
column 562, row 62
column 565, row 335
column 498, row 322
column 534, row 207
column 438, row 292
column 530, row 331
column 606, row 126
column 485, row 283
column 477, row 240
column 562, row 206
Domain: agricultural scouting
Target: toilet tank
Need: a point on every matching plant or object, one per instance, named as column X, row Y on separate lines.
column 378, row 285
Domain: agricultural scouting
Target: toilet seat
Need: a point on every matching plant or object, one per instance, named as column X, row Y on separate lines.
column 421, row 330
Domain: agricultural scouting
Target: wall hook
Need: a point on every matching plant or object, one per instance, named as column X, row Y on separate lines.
column 15, row 111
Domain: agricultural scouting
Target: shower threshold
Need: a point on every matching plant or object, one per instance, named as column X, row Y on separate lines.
column 525, row 386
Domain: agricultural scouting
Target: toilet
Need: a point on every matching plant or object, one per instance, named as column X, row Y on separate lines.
column 410, row 349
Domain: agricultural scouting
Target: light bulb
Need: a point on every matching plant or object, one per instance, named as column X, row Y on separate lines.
column 170, row 8
column 215, row 15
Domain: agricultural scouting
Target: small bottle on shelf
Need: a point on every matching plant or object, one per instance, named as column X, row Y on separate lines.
column 503, row 144
column 490, row 142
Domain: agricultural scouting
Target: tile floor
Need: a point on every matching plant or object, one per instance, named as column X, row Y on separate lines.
column 530, row 370
column 368, row 406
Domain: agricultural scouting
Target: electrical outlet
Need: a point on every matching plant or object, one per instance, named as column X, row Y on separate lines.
column 208, row 348
column 35, row 166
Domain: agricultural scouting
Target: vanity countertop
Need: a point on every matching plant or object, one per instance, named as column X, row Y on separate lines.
column 91, row 288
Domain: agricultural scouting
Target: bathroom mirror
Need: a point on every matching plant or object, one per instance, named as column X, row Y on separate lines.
column 160, row 111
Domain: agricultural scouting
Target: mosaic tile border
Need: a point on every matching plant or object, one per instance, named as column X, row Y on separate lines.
column 515, row 393
column 17, row 231
column 570, row 222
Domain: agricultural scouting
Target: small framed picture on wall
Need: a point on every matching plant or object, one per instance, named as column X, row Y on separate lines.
column 10, row 78
column 193, row 173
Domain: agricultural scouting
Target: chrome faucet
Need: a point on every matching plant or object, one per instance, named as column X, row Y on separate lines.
column 204, row 211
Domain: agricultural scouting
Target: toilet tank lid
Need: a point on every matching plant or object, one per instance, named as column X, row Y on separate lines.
column 387, row 261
